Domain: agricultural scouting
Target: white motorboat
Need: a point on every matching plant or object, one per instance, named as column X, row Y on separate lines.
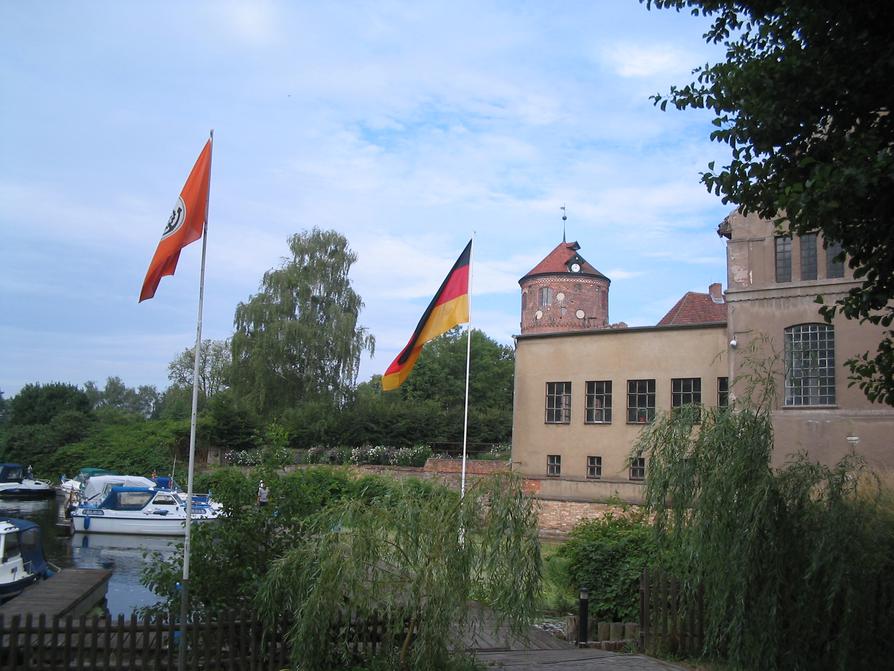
column 22, row 561
column 16, row 482
column 136, row 510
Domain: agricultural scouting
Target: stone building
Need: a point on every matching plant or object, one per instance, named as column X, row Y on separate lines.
column 773, row 281
column 584, row 389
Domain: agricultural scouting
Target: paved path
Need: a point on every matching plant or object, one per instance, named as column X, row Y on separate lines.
column 495, row 647
column 572, row 659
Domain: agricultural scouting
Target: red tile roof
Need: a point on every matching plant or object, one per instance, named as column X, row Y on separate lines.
column 558, row 260
column 695, row 308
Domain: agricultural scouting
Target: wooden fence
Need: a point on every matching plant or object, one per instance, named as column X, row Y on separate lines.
column 232, row 641
column 670, row 620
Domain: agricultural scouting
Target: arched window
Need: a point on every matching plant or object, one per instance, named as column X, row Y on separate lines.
column 810, row 365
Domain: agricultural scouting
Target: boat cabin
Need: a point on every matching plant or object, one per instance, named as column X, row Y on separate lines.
column 21, row 556
column 12, row 473
column 152, row 501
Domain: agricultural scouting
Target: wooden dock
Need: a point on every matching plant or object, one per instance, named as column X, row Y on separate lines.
column 71, row 592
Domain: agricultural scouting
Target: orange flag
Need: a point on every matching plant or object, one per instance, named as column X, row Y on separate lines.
column 186, row 224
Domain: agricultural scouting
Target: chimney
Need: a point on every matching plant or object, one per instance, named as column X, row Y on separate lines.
column 716, row 293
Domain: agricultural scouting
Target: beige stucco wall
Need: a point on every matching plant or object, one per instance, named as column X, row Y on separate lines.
column 659, row 353
column 760, row 309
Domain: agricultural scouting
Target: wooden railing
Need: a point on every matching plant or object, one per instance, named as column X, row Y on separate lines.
column 670, row 620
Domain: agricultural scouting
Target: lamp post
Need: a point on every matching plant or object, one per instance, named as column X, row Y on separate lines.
column 583, row 616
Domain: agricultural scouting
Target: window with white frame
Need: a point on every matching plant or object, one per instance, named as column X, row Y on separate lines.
column 640, row 401
column 594, row 468
column 638, row 468
column 599, row 402
column 808, row 256
column 554, row 465
column 558, row 402
column 834, row 267
column 810, row 365
column 722, row 392
column 783, row 258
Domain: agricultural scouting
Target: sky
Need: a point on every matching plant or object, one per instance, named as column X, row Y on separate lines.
column 406, row 126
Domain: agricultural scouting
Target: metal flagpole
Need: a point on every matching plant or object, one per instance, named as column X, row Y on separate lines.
column 462, row 491
column 184, row 595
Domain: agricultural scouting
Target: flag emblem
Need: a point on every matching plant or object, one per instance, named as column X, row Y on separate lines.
column 185, row 225
column 178, row 216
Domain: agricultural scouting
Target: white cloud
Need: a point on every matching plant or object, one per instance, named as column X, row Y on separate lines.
column 637, row 60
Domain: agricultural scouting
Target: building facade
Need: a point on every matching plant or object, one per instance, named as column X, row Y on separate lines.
column 584, row 389
column 773, row 280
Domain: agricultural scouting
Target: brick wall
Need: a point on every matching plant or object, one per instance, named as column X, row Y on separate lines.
column 571, row 293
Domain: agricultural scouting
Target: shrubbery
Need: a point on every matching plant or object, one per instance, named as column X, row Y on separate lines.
column 607, row 555
column 378, row 455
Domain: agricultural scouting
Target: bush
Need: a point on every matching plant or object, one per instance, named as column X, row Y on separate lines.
column 607, row 555
column 243, row 457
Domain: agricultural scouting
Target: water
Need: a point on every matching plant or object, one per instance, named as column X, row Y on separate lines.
column 122, row 554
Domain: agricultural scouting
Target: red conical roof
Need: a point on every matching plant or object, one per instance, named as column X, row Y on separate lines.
column 559, row 260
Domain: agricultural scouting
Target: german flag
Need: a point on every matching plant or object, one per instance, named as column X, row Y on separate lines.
column 449, row 307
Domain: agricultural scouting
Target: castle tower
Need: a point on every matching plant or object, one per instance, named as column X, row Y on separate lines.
column 564, row 293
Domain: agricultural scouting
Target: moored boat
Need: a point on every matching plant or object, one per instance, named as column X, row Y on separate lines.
column 136, row 510
column 22, row 561
column 16, row 482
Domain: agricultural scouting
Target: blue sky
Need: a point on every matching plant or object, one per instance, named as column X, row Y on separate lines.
column 405, row 126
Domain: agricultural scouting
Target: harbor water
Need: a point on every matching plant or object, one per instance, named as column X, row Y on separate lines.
column 124, row 555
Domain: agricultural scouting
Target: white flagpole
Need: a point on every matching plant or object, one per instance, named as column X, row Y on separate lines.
column 184, row 596
column 462, row 491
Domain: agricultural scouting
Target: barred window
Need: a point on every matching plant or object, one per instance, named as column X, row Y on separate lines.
column 554, row 465
column 722, row 392
column 809, row 365
column 594, row 468
column 546, row 296
column 808, row 256
column 833, row 268
column 599, row 402
column 638, row 468
column 558, row 402
column 783, row 258
column 640, row 401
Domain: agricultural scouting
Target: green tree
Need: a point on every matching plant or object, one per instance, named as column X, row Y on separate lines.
column 804, row 102
column 797, row 565
column 214, row 368
column 298, row 339
column 39, row 404
column 416, row 556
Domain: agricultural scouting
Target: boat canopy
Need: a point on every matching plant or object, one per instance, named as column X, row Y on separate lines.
column 28, row 541
column 98, row 485
column 11, row 473
column 127, row 498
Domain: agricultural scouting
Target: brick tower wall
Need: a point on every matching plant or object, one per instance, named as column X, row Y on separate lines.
column 570, row 293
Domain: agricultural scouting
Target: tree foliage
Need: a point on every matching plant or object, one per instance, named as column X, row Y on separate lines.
column 416, row 555
column 804, row 102
column 796, row 564
column 298, row 337
column 214, row 368
column 607, row 555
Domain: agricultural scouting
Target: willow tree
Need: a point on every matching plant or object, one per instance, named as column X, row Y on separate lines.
column 411, row 559
column 298, row 337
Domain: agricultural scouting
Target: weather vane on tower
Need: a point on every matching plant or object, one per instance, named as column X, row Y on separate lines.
column 564, row 219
